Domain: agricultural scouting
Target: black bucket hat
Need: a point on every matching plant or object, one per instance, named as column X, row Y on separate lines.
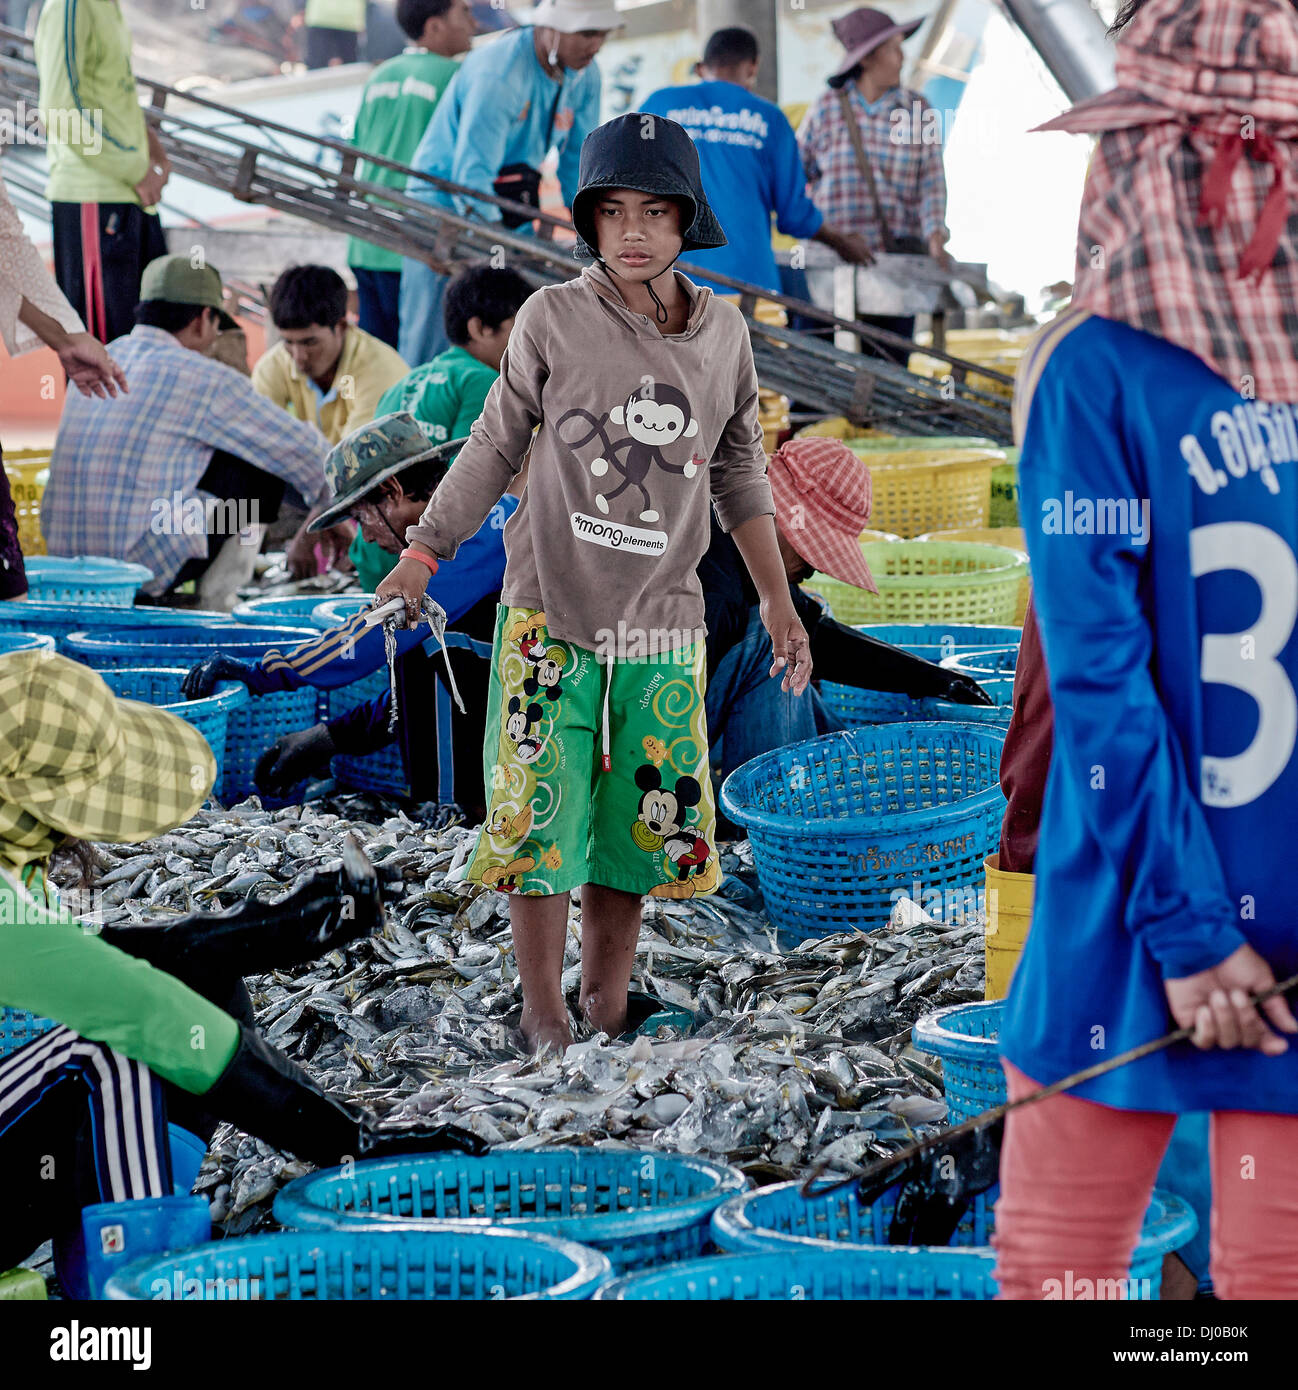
column 650, row 155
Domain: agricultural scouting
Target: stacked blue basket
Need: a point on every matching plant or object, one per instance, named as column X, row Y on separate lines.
column 990, row 662
column 88, row 579
column 253, row 728
column 839, row 823
column 375, row 772
column 964, row 1037
column 936, row 642
column 779, row 1220
column 24, row 642
column 18, row 1028
column 155, row 685
column 370, row 1266
column 638, row 1209
column 294, row 609
column 941, row 1275
column 61, row 620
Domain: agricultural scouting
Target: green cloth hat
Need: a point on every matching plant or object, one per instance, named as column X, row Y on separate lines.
column 176, row 280
column 360, row 462
column 77, row 760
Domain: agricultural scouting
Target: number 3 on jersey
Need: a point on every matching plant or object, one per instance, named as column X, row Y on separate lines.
column 1261, row 554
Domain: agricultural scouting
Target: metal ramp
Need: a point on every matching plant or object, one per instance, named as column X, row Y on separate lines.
column 264, row 162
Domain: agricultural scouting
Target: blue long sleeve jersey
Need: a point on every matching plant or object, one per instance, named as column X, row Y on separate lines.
column 1161, row 510
column 498, row 111
column 751, row 168
column 352, row 651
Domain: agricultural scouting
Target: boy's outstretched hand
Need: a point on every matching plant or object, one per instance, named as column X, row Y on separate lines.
column 408, row 579
column 790, row 645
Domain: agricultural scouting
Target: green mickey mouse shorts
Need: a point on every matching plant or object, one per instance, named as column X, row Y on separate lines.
column 557, row 816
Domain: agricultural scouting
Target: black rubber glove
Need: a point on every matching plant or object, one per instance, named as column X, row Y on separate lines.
column 284, row 764
column 964, row 690
column 202, row 679
column 269, row 1096
column 201, row 948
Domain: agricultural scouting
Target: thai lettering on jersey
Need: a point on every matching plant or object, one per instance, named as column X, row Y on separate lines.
column 714, row 125
column 1247, row 439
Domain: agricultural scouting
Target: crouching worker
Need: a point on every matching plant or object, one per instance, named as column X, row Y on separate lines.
column 88, row 1101
column 822, row 504
column 384, row 475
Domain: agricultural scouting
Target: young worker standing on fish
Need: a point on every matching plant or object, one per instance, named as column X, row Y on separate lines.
column 645, row 393
column 87, row 1101
column 1161, row 406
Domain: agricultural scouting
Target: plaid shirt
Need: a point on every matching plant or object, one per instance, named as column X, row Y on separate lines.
column 119, row 465
column 907, row 169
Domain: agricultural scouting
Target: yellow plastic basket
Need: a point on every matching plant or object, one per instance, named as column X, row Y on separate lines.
column 919, row 490
column 839, row 427
column 28, row 470
column 929, row 582
column 773, row 415
column 1009, row 536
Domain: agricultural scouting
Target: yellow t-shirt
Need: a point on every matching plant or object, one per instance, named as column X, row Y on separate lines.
column 366, row 369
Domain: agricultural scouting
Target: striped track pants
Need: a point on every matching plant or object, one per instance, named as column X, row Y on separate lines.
column 127, row 1110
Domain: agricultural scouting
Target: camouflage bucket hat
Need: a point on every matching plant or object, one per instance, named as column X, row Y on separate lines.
column 358, row 464
column 75, row 758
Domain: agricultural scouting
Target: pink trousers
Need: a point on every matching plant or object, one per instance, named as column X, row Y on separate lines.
column 1076, row 1178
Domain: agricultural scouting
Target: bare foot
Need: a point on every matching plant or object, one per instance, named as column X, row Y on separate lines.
column 604, row 1014
column 539, row 1029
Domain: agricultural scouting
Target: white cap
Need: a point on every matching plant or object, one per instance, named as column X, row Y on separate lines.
column 572, row 16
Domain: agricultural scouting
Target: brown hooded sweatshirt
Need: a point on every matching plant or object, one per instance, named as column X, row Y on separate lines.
column 637, row 432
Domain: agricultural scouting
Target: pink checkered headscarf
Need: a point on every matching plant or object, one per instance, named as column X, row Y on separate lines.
column 1188, row 226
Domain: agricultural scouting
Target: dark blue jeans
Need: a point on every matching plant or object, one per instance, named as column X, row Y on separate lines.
column 748, row 713
column 379, row 296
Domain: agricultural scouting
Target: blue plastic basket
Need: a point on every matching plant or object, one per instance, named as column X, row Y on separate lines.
column 337, row 610
column 933, row 1275
column 25, row 642
column 936, row 640
column 91, row 579
column 991, row 661
column 965, row 1036
column 858, row 708
column 638, row 1208
column 159, row 685
column 780, row 1220
column 253, row 728
column 60, row 620
column 371, row 1266
column 839, row 823
column 375, row 772
column 294, row 609
column 18, row 1028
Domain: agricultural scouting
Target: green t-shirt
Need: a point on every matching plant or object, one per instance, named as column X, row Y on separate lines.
column 49, row 965
column 398, row 102
column 446, row 396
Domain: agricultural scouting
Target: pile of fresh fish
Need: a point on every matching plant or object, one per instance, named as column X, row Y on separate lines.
column 796, row 1057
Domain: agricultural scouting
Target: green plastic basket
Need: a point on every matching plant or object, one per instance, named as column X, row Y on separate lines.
column 1005, row 492
column 930, row 582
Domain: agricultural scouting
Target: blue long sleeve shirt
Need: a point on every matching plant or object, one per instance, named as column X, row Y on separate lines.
column 751, row 169
column 498, row 111
column 1161, row 511
column 351, row 651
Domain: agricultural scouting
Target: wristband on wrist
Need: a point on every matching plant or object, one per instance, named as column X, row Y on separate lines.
column 423, row 559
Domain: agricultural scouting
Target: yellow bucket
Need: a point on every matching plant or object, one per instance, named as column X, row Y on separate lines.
column 1011, row 536
column 1009, row 912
